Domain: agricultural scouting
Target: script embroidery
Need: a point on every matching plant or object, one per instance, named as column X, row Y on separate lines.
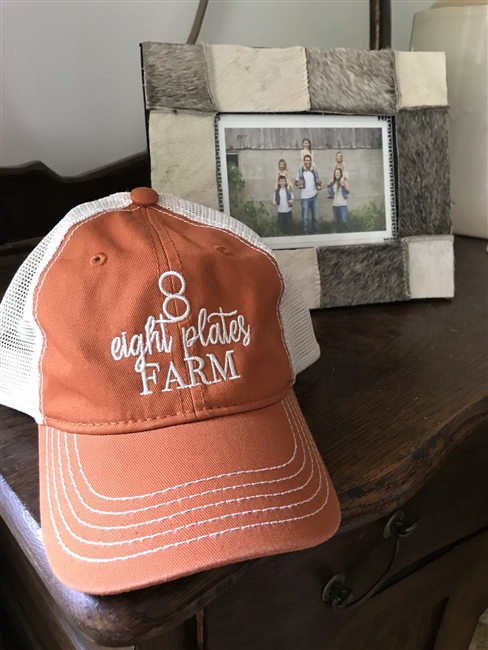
column 214, row 328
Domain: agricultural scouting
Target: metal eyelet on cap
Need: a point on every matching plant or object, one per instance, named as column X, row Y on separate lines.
column 98, row 259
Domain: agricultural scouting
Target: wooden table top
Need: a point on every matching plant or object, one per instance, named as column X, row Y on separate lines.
column 397, row 387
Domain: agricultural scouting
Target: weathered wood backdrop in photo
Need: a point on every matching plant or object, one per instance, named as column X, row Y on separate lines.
column 186, row 86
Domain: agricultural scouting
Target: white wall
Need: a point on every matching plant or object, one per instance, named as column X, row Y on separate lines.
column 71, row 82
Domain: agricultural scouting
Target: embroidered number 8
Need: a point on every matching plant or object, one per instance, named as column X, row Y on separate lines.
column 179, row 295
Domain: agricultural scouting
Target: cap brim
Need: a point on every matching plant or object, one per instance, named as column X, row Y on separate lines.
column 125, row 511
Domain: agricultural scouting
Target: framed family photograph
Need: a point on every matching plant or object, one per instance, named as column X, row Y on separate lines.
column 308, row 180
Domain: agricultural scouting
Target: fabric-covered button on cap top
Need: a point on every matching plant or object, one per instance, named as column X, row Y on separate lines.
column 144, row 196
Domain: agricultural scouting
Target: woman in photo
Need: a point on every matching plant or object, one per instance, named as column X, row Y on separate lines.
column 339, row 191
column 283, row 171
column 307, row 150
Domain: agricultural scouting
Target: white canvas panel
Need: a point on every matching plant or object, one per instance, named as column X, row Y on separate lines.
column 421, row 79
column 302, row 265
column 431, row 266
column 257, row 80
column 183, row 161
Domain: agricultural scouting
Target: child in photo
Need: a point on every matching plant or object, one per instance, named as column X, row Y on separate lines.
column 283, row 171
column 283, row 199
column 307, row 150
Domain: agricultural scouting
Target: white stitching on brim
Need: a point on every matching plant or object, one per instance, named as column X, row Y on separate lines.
column 209, row 535
column 137, row 539
column 184, row 498
column 176, row 487
column 181, row 512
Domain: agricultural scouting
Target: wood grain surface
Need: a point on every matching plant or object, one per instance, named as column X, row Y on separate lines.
column 396, row 389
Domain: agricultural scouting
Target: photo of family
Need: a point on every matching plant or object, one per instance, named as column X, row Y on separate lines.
column 317, row 183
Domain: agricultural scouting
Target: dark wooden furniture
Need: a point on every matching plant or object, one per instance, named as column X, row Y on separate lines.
column 398, row 406
column 34, row 198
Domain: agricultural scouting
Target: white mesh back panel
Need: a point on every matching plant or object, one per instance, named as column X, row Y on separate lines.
column 21, row 338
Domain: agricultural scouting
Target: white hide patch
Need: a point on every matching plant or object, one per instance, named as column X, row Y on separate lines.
column 183, row 159
column 257, row 80
column 302, row 265
column 421, row 79
column 431, row 266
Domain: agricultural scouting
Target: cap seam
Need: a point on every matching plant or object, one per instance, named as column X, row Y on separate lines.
column 169, row 265
column 153, row 245
column 164, row 417
column 179, row 323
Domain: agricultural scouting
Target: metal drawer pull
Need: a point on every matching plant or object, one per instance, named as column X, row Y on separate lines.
column 339, row 596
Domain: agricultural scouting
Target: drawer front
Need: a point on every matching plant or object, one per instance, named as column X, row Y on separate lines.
column 277, row 603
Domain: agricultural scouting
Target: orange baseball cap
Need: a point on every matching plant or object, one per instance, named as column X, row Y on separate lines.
column 156, row 343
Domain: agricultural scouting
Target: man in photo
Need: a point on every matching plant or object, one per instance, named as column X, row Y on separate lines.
column 283, row 199
column 309, row 182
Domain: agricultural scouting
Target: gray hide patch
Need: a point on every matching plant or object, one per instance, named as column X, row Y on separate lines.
column 351, row 81
column 175, row 76
column 358, row 275
column 423, row 172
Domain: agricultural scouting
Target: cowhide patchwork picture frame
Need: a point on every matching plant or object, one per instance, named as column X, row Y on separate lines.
column 189, row 88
